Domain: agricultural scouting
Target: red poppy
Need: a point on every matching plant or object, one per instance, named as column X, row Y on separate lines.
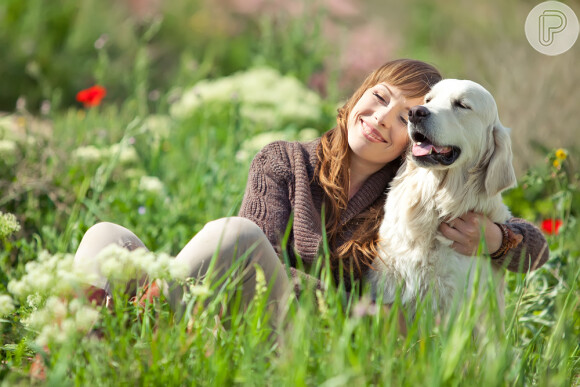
column 551, row 226
column 92, row 96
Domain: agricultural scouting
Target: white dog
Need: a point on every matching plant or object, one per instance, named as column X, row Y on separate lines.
column 461, row 161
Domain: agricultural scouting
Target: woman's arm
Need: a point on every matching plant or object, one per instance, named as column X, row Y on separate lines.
column 529, row 254
column 267, row 203
column 267, row 198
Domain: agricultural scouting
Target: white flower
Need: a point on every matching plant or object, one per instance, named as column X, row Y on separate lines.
column 49, row 274
column 158, row 125
column 8, row 151
column 6, row 305
column 151, row 184
column 86, row 317
column 261, row 286
column 199, row 290
column 60, row 320
column 265, row 96
column 126, row 153
column 120, row 264
column 88, row 154
column 33, row 301
column 8, row 225
column 178, row 270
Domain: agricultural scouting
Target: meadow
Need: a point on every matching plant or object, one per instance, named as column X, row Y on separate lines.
column 191, row 91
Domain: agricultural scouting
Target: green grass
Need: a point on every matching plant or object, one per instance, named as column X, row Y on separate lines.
column 57, row 192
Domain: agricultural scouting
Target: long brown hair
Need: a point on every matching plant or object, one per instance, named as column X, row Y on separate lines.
column 415, row 79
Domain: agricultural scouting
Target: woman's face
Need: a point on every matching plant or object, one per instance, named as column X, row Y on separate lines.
column 377, row 125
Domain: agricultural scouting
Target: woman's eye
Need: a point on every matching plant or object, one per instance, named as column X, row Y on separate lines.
column 379, row 97
column 403, row 120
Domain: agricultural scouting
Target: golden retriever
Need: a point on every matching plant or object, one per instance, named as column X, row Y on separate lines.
column 460, row 161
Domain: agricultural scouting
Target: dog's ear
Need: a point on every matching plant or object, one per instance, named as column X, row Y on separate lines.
column 500, row 171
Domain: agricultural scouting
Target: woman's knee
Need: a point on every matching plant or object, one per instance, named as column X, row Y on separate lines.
column 238, row 230
column 102, row 234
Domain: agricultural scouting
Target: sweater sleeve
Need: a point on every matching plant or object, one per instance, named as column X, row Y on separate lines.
column 531, row 253
column 267, row 198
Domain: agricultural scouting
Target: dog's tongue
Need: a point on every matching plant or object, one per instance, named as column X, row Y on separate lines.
column 425, row 148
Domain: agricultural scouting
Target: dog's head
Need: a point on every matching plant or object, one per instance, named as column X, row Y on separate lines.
column 458, row 127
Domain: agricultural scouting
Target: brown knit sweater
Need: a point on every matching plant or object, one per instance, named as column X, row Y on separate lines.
column 280, row 182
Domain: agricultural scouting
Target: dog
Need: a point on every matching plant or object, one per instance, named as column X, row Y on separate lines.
column 460, row 161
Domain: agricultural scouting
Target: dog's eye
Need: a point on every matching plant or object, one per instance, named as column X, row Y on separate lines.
column 461, row 105
column 427, row 100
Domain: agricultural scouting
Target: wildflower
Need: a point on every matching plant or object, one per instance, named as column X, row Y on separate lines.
column 178, row 269
column 87, row 154
column 265, row 96
column 127, row 154
column 8, row 225
column 199, row 290
column 261, row 286
column 6, row 305
column 151, row 184
column 551, row 226
column 92, row 96
column 8, row 151
column 561, row 154
column 556, row 163
column 142, row 210
column 49, row 274
column 322, row 306
column 59, row 320
column 118, row 263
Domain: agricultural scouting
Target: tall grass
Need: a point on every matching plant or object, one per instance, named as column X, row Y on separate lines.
column 165, row 176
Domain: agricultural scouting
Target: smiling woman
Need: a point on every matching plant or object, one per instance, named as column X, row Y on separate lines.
column 377, row 130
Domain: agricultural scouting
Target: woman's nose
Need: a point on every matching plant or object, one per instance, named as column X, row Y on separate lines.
column 382, row 116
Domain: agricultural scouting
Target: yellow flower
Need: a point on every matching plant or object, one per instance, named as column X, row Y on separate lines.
column 561, row 154
column 556, row 163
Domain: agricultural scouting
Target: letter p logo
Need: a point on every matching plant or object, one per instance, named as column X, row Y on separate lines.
column 552, row 21
column 552, row 27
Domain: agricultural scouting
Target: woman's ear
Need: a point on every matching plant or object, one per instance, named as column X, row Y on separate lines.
column 500, row 171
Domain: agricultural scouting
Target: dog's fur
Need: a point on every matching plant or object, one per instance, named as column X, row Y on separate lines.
column 414, row 256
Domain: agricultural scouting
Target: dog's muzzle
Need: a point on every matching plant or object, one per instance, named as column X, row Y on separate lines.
column 424, row 150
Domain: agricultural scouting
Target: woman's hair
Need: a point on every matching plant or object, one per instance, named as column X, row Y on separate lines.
column 414, row 78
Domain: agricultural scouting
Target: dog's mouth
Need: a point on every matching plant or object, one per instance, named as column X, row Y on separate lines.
column 425, row 150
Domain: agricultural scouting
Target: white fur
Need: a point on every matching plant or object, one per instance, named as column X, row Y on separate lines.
column 413, row 254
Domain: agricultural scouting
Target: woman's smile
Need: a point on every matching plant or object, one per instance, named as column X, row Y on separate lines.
column 371, row 133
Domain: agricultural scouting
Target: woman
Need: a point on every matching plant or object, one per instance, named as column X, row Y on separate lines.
column 344, row 174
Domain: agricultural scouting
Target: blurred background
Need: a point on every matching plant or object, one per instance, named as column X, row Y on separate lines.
column 51, row 50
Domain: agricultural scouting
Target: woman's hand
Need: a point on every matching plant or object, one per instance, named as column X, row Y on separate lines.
column 465, row 232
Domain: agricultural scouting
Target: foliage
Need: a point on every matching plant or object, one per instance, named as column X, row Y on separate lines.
column 164, row 175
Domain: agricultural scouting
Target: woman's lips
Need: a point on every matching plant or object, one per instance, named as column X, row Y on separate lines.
column 371, row 133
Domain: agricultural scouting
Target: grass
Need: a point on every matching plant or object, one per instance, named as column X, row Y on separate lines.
column 57, row 188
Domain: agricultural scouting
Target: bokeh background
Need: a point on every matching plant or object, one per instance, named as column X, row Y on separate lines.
column 51, row 50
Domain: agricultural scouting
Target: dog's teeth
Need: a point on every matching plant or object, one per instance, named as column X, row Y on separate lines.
column 419, row 143
column 430, row 150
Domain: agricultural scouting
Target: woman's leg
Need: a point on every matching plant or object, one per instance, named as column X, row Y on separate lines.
column 234, row 239
column 94, row 241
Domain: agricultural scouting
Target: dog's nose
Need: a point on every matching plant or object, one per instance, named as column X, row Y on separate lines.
column 418, row 113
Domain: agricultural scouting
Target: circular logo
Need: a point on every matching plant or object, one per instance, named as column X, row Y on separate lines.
column 552, row 28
